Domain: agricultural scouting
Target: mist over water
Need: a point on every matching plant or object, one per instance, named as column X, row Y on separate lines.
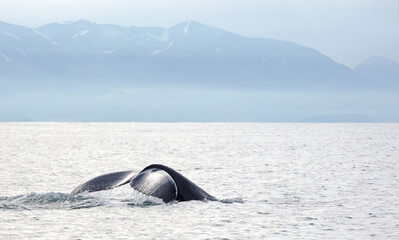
column 283, row 181
column 76, row 101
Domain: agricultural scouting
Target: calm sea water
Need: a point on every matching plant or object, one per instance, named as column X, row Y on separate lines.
column 279, row 181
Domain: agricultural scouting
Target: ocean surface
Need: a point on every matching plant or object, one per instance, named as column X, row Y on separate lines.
column 276, row 181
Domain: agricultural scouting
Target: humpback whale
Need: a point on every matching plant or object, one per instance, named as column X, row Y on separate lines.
column 155, row 180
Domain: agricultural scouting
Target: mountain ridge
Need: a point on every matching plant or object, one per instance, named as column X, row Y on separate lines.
column 185, row 53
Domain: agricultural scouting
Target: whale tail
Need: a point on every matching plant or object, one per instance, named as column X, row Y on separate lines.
column 155, row 180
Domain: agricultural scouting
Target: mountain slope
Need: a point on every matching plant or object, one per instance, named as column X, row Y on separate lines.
column 380, row 70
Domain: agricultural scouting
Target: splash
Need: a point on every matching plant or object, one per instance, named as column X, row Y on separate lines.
column 51, row 200
column 139, row 199
column 56, row 200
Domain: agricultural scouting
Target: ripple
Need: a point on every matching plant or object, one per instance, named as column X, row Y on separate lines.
column 232, row 200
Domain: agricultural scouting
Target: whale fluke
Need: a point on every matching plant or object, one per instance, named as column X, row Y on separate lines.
column 186, row 190
column 105, row 182
column 156, row 183
column 155, row 180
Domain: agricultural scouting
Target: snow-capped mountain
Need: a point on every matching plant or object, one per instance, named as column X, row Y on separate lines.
column 186, row 53
column 82, row 71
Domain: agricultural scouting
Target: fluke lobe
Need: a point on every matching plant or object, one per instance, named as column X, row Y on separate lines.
column 155, row 180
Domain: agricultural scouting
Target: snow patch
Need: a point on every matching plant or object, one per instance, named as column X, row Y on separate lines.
column 162, row 50
column 109, row 51
column 7, row 59
column 54, row 43
column 104, row 51
column 42, row 35
column 164, row 37
column 186, row 27
column 21, row 52
column 12, row 35
column 80, row 33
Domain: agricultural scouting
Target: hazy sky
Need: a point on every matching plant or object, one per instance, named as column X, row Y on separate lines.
column 349, row 31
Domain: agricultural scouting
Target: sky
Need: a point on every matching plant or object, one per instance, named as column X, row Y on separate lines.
column 348, row 31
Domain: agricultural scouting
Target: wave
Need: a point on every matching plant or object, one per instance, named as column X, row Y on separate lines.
column 51, row 200
column 56, row 200
column 233, row 200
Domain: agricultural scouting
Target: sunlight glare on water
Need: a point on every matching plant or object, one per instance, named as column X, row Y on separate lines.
column 276, row 181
